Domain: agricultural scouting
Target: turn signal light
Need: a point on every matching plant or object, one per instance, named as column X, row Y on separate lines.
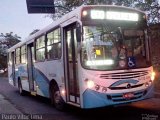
column 153, row 74
column 63, row 92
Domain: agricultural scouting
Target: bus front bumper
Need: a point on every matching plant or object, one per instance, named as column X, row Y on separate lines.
column 93, row 99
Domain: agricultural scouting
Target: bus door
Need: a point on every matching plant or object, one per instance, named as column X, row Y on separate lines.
column 71, row 65
column 30, row 56
column 13, row 67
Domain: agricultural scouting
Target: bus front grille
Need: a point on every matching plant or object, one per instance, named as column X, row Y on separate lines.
column 121, row 88
column 124, row 75
column 120, row 98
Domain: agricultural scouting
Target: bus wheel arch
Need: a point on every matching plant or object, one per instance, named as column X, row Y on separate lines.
column 55, row 96
column 21, row 91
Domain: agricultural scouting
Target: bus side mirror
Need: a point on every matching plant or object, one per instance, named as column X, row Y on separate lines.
column 78, row 32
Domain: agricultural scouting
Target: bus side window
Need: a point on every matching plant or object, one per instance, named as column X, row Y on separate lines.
column 23, row 54
column 9, row 59
column 18, row 60
column 54, row 44
column 40, row 48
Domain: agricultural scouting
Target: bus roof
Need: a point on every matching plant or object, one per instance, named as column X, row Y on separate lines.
column 74, row 13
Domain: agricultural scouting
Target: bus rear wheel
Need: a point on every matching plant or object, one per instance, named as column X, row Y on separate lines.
column 56, row 98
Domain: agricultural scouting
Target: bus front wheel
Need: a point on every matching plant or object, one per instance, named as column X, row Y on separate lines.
column 56, row 98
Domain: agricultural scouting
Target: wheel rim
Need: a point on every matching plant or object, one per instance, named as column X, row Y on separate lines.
column 57, row 98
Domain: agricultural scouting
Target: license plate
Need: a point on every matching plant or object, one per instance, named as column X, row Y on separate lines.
column 128, row 95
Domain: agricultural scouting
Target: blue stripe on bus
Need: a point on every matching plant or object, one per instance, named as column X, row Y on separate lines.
column 93, row 99
column 42, row 81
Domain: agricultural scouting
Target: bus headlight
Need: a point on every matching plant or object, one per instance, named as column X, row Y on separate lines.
column 90, row 83
column 153, row 74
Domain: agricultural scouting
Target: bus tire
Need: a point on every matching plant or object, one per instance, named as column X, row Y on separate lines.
column 56, row 98
column 21, row 91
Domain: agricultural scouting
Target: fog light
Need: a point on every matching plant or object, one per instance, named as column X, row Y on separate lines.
column 146, row 84
column 104, row 89
column 150, row 82
column 97, row 87
column 153, row 74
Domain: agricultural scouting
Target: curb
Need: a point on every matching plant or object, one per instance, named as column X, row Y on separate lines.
column 7, row 108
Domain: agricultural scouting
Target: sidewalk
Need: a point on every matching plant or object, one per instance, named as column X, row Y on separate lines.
column 6, row 107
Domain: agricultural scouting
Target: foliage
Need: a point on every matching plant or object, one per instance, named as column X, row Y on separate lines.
column 7, row 40
column 151, row 7
column 34, row 31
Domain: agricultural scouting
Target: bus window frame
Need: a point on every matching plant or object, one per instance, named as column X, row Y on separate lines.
column 35, row 48
column 61, row 38
column 19, row 55
column 146, row 47
column 25, row 54
column 9, row 59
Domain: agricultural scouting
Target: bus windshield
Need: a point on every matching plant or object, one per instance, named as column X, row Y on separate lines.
column 106, row 48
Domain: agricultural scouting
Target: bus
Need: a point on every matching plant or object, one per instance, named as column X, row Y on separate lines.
column 94, row 56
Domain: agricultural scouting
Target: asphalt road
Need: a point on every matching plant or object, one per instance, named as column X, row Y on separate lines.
column 40, row 108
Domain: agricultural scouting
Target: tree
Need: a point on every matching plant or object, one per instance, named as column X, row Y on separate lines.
column 151, row 7
column 34, row 31
column 64, row 6
column 7, row 40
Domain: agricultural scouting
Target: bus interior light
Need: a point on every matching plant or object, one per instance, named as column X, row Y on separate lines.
column 49, row 47
column 97, row 14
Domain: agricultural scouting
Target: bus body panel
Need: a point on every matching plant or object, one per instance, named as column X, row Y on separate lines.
column 93, row 99
column 97, row 98
column 111, row 90
column 115, row 97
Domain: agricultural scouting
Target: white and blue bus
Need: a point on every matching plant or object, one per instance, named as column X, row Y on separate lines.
column 94, row 56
